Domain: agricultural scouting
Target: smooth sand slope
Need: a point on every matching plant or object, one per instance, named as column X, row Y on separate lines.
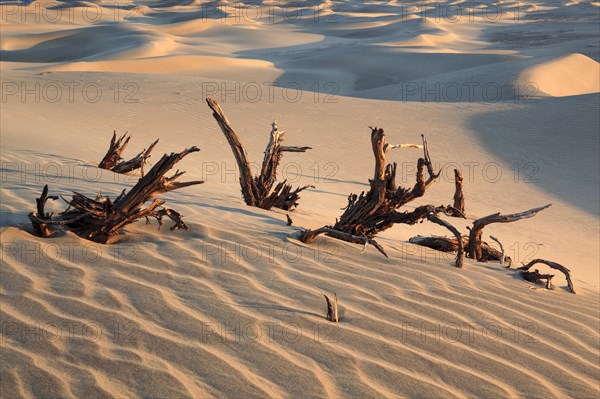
column 234, row 308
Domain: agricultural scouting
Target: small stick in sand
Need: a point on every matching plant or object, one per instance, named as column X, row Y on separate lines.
column 332, row 309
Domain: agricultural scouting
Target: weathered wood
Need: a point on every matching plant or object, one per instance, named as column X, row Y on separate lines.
column 258, row 191
column 474, row 245
column 289, row 220
column 40, row 218
column 100, row 219
column 332, row 309
column 446, row 244
column 502, row 253
column 116, row 148
column 310, row 235
column 536, row 276
column 553, row 265
column 374, row 211
column 460, row 255
column 458, row 208
column 136, row 162
column 113, row 160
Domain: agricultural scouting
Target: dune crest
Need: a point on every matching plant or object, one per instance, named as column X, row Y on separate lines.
column 571, row 75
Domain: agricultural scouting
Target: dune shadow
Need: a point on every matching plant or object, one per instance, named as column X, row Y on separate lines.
column 553, row 143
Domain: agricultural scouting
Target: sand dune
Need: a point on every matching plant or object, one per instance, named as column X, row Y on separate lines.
column 234, row 307
column 567, row 76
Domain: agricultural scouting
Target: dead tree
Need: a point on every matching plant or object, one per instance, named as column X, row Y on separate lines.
column 458, row 208
column 370, row 213
column 553, row 265
column 258, row 191
column 100, row 219
column 113, row 159
column 332, row 309
column 474, row 246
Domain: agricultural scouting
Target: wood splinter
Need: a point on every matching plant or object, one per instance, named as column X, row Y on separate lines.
column 332, row 308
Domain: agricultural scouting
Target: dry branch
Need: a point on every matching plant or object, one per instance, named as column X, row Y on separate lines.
column 553, row 265
column 136, row 162
column 40, row 218
column 258, row 191
column 116, row 148
column 446, row 244
column 458, row 208
column 374, row 211
column 460, row 255
column 474, row 246
column 100, row 219
column 112, row 159
column 502, row 256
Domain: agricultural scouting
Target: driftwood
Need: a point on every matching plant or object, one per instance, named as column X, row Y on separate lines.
column 113, row 159
column 553, row 265
column 372, row 212
column 100, row 219
column 474, row 250
column 258, row 191
column 446, row 244
column 458, row 208
column 332, row 308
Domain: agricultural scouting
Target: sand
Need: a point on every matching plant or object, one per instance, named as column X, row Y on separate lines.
column 234, row 308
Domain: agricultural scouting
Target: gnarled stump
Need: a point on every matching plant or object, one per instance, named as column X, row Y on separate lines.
column 100, row 219
column 372, row 212
column 257, row 190
column 553, row 265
